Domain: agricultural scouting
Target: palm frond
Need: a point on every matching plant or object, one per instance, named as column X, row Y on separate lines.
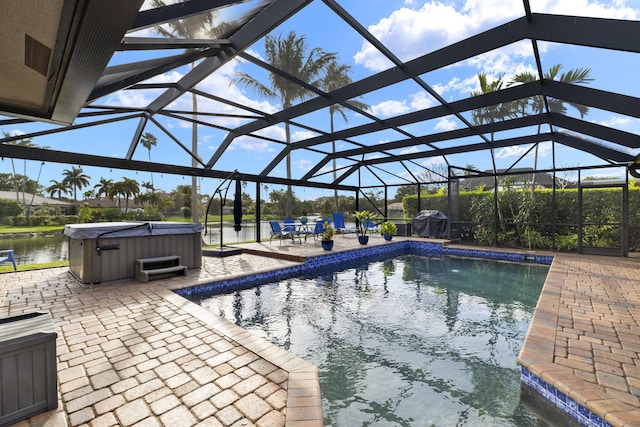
column 254, row 85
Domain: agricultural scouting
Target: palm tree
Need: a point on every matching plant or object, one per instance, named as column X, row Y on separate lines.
column 23, row 142
column 148, row 186
column 193, row 27
column 76, row 179
column 486, row 115
column 336, row 76
column 103, row 187
column 115, row 189
column 149, row 140
column 291, row 55
column 57, row 187
column 536, row 105
column 129, row 188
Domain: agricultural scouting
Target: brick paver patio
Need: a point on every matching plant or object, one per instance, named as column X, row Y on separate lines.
column 135, row 354
column 584, row 338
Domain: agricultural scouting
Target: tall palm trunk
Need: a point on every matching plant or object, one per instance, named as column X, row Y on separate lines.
column 333, row 151
column 195, row 214
column 15, row 180
column 288, row 205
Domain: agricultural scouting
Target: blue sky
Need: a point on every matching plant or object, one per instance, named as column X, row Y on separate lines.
column 410, row 29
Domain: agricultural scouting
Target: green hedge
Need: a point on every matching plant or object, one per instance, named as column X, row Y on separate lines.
column 528, row 221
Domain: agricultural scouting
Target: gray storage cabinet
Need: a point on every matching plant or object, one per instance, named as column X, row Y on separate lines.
column 28, row 367
column 100, row 252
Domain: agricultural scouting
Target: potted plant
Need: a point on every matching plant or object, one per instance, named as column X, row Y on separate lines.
column 388, row 229
column 363, row 217
column 327, row 236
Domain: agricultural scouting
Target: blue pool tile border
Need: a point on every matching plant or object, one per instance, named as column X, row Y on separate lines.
column 334, row 261
column 563, row 402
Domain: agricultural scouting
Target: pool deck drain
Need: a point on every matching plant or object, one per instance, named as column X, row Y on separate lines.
column 134, row 353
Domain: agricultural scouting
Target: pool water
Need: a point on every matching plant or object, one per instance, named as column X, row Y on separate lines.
column 409, row 341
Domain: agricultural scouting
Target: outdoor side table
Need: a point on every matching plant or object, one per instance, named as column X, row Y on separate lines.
column 28, row 377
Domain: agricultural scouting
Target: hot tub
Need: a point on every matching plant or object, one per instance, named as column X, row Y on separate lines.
column 99, row 252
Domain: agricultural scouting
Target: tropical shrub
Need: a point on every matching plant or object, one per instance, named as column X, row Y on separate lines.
column 527, row 219
column 10, row 208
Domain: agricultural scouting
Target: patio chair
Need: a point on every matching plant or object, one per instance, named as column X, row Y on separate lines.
column 373, row 228
column 280, row 233
column 8, row 256
column 338, row 224
column 289, row 225
column 317, row 231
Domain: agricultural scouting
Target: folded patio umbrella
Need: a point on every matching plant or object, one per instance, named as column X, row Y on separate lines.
column 237, row 206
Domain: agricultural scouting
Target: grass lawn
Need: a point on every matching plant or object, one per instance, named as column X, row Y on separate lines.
column 8, row 268
column 30, row 229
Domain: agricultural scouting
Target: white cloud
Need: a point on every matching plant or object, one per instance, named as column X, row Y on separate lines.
column 302, row 135
column 457, row 85
column 249, row 143
column 445, row 124
column 511, row 152
column 544, row 148
column 505, row 60
column 303, row 164
column 617, row 9
column 218, row 82
column 417, row 101
column 390, row 108
column 410, row 33
column 421, row 100
column 616, row 121
column 432, row 161
column 329, row 167
column 411, row 150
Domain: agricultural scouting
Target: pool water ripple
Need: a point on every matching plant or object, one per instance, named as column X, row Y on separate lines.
column 410, row 341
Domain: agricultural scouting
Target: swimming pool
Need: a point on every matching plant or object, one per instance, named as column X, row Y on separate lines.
column 407, row 341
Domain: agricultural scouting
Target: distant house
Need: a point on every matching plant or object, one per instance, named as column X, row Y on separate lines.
column 36, row 201
column 520, row 178
column 395, row 210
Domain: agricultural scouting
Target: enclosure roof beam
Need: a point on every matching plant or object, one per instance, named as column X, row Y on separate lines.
column 593, row 147
column 272, row 16
column 181, row 10
column 66, row 157
column 488, row 40
column 123, row 76
column 497, row 37
column 591, row 97
column 432, row 138
column 595, row 130
column 509, row 142
column 492, row 98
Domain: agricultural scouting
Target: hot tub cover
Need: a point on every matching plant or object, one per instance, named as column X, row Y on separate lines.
column 129, row 229
column 430, row 223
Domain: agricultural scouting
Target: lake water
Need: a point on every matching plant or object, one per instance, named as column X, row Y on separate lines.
column 39, row 249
